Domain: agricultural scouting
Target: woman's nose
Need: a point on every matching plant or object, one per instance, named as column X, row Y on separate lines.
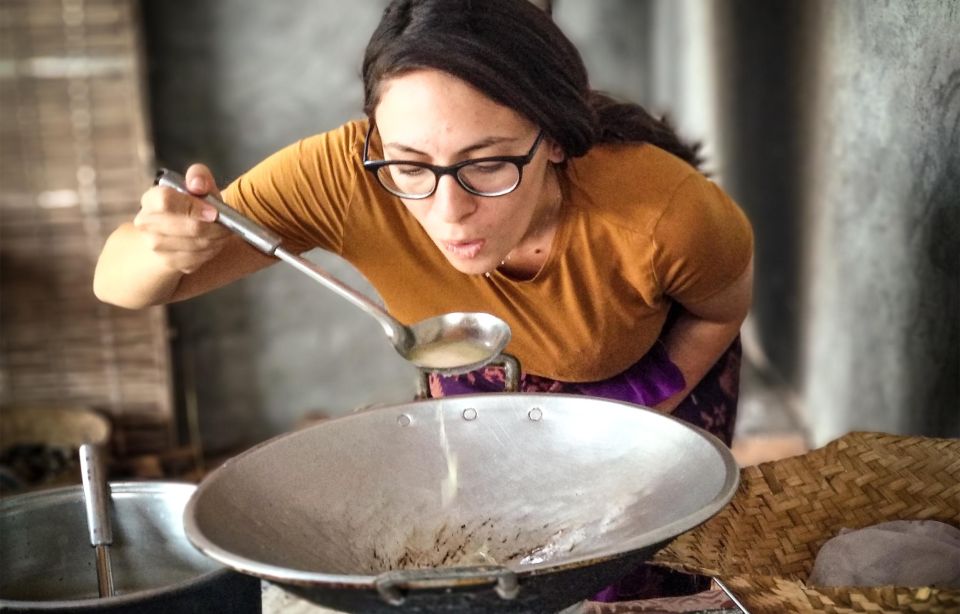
column 451, row 203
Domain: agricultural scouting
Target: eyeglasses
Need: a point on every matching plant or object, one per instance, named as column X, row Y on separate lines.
column 493, row 176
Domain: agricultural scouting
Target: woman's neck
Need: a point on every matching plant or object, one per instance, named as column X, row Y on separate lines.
column 526, row 259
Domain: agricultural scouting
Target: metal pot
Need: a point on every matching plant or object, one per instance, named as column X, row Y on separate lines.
column 48, row 563
column 506, row 502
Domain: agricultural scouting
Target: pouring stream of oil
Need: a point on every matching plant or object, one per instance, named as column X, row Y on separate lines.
column 448, row 492
column 448, row 486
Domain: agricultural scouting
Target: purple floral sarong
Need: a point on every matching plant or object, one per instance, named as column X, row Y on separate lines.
column 711, row 405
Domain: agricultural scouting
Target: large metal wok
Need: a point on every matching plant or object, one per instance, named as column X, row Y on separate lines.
column 505, row 502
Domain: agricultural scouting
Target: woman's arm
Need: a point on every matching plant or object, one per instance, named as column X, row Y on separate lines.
column 172, row 250
column 703, row 331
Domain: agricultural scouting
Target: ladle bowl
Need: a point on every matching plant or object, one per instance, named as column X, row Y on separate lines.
column 457, row 342
column 449, row 343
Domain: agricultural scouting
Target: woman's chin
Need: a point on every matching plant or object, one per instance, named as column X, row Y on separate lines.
column 471, row 266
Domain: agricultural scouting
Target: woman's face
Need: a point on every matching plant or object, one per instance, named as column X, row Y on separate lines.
column 431, row 116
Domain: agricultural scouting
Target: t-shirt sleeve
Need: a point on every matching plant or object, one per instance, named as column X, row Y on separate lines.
column 703, row 242
column 303, row 191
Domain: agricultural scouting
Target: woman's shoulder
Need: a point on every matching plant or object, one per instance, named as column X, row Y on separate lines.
column 332, row 156
column 347, row 139
column 629, row 184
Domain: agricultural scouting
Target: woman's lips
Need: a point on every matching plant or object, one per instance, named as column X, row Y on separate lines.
column 464, row 249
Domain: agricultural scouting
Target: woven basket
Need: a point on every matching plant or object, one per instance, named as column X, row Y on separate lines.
column 762, row 546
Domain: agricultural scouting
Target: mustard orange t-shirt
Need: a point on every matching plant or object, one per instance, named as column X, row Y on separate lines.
column 639, row 229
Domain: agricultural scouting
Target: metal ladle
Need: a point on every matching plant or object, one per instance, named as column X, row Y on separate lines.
column 450, row 343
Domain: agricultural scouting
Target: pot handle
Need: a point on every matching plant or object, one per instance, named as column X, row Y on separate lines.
column 393, row 586
column 511, row 375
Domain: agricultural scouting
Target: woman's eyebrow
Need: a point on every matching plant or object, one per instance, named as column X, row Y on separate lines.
column 487, row 142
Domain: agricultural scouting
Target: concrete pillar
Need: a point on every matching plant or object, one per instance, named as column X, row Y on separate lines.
column 883, row 264
column 841, row 132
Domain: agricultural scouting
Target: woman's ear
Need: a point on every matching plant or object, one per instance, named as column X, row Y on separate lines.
column 555, row 152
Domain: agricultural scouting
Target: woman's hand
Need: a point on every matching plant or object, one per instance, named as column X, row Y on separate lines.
column 182, row 231
column 173, row 250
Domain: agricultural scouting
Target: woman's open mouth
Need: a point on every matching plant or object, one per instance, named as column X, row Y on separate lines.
column 464, row 249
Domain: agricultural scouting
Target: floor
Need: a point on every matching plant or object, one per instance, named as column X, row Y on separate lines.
column 769, row 422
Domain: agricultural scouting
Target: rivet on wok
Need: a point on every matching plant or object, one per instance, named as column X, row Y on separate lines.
column 535, row 414
column 403, row 420
column 469, row 414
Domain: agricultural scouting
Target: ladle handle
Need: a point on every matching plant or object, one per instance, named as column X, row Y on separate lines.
column 269, row 242
column 256, row 235
column 96, row 499
column 394, row 329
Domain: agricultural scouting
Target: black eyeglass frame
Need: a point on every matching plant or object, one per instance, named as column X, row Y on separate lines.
column 374, row 167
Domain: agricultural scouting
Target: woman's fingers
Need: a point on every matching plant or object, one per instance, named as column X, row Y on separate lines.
column 168, row 200
column 181, row 229
column 200, row 181
column 182, row 222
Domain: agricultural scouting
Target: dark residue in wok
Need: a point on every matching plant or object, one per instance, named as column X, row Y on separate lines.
column 455, row 545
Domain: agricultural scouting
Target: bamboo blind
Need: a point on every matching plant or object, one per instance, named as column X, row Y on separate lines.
column 74, row 159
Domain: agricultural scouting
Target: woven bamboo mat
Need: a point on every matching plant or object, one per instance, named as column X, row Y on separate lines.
column 762, row 546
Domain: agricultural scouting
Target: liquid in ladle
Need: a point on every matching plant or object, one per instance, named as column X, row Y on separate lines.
column 448, row 354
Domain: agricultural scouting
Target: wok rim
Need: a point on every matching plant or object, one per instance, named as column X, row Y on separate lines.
column 275, row 573
column 12, row 503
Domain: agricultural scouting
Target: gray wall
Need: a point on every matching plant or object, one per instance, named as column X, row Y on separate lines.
column 841, row 133
column 883, row 193
column 230, row 83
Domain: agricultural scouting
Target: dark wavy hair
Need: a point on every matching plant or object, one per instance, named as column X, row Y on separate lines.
column 514, row 53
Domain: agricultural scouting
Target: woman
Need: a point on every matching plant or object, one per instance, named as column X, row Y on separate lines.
column 489, row 177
